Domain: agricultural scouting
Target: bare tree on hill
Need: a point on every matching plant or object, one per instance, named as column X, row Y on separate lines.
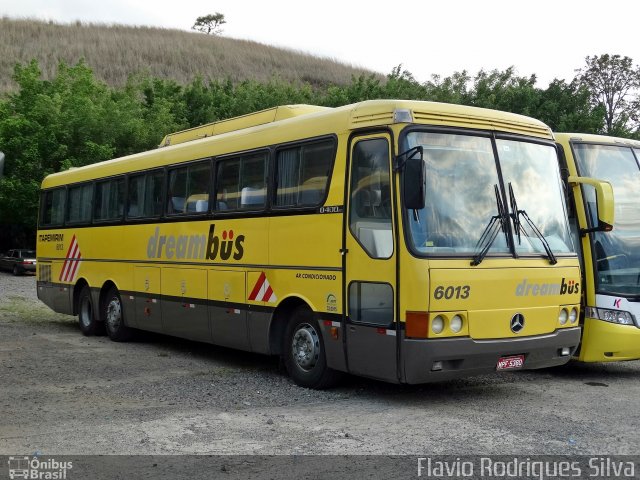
column 210, row 24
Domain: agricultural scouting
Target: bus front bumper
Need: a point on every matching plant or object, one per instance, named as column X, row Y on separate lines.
column 443, row 359
column 609, row 342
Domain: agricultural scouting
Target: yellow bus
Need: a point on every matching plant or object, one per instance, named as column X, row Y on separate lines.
column 399, row 240
column 611, row 259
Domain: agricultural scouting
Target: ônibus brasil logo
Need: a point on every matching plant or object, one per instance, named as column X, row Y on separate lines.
column 196, row 247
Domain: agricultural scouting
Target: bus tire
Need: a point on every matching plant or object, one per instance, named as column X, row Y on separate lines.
column 113, row 316
column 87, row 318
column 304, row 354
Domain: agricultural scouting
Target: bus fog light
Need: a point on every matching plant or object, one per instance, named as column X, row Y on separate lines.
column 573, row 315
column 565, row 352
column 456, row 324
column 564, row 315
column 437, row 325
column 436, row 366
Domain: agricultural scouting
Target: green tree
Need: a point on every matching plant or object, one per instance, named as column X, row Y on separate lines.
column 74, row 120
column 210, row 24
column 614, row 83
column 451, row 89
column 47, row 126
column 567, row 107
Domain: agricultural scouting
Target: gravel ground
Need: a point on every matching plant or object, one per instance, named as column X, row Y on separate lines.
column 63, row 393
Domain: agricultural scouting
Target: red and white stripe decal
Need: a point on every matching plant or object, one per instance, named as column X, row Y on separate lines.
column 71, row 262
column 262, row 291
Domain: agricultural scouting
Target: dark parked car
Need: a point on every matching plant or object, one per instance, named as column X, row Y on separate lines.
column 19, row 261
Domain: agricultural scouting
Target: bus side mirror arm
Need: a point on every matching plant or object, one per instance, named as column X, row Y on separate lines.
column 604, row 200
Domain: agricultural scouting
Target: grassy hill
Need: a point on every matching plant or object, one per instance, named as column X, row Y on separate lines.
column 115, row 51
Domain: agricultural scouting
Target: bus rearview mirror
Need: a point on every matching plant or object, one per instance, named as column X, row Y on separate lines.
column 604, row 200
column 414, row 183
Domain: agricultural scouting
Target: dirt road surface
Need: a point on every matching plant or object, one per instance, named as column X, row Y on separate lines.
column 62, row 393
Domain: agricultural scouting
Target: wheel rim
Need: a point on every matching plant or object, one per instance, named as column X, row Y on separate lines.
column 114, row 314
column 305, row 347
column 86, row 312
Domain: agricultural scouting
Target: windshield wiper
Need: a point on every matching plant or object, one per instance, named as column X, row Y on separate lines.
column 496, row 224
column 518, row 227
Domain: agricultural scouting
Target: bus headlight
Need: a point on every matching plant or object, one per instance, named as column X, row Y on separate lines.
column 564, row 315
column 620, row 317
column 437, row 325
column 573, row 315
column 456, row 324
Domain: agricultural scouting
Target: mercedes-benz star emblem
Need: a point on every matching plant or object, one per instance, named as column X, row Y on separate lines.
column 517, row 323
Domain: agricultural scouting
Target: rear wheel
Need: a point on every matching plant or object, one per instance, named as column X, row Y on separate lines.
column 304, row 354
column 114, row 317
column 87, row 319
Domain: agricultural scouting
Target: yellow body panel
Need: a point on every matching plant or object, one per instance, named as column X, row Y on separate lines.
column 227, row 286
column 609, row 342
column 184, row 282
column 490, row 296
column 145, row 280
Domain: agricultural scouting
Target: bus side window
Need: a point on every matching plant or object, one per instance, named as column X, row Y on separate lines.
column 145, row 195
column 241, row 182
column 136, row 194
column 177, row 190
column 53, row 207
column 109, row 200
column 371, row 302
column 198, row 182
column 79, row 204
column 303, row 173
column 370, row 205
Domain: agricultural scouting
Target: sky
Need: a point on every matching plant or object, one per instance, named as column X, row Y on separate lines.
column 549, row 38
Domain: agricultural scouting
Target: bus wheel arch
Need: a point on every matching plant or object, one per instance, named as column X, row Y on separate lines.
column 279, row 322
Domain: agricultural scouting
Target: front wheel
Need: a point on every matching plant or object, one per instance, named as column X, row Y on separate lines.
column 304, row 354
column 16, row 272
column 114, row 317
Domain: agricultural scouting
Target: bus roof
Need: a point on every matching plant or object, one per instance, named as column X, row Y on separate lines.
column 263, row 128
column 262, row 117
column 592, row 138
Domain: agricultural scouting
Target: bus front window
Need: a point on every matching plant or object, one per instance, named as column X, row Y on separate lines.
column 532, row 171
column 460, row 196
column 616, row 253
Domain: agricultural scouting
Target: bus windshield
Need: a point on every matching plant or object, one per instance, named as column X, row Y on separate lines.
column 616, row 253
column 461, row 184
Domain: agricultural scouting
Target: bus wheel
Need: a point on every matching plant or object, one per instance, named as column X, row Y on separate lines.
column 89, row 324
column 114, row 317
column 305, row 358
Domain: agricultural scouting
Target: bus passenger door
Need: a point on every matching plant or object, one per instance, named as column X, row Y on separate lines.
column 370, row 278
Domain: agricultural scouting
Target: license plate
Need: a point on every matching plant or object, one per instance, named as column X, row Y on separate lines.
column 510, row 363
